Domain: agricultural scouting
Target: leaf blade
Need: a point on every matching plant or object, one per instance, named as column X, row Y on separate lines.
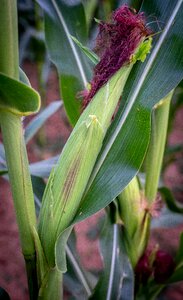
column 40, row 119
column 17, row 97
column 63, row 19
column 117, row 165
column 116, row 281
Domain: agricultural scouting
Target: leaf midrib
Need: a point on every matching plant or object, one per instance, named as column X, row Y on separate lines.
column 113, row 259
column 72, row 45
column 135, row 93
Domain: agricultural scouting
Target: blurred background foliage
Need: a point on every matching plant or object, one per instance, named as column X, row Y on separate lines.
column 33, row 50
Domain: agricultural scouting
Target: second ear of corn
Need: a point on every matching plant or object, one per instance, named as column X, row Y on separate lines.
column 68, row 181
column 132, row 211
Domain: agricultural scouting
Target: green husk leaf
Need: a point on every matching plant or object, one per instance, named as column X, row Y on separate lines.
column 51, row 287
column 130, row 207
column 67, row 182
column 42, row 266
column 60, row 250
column 89, row 53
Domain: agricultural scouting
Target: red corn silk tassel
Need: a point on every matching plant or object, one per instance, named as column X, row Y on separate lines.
column 115, row 44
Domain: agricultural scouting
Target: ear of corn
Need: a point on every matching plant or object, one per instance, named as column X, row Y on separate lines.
column 132, row 204
column 69, row 179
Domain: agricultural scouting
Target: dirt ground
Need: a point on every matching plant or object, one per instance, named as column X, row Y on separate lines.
column 54, row 134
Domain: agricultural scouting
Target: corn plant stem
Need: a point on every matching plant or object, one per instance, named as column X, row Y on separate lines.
column 21, row 187
column 15, row 150
column 9, row 39
column 156, row 148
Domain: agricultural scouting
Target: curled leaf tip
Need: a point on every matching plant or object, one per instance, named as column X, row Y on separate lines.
column 116, row 43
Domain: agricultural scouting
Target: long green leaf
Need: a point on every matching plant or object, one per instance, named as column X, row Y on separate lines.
column 40, row 169
column 75, row 276
column 127, row 140
column 43, row 168
column 117, row 280
column 63, row 19
column 80, row 280
column 33, row 127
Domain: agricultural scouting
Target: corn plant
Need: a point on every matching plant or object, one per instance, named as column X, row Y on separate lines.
column 119, row 132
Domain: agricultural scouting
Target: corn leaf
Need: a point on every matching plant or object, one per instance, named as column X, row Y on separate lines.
column 117, row 280
column 63, row 19
column 39, row 169
column 38, row 121
column 43, row 168
column 78, row 281
column 17, row 97
column 127, row 139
